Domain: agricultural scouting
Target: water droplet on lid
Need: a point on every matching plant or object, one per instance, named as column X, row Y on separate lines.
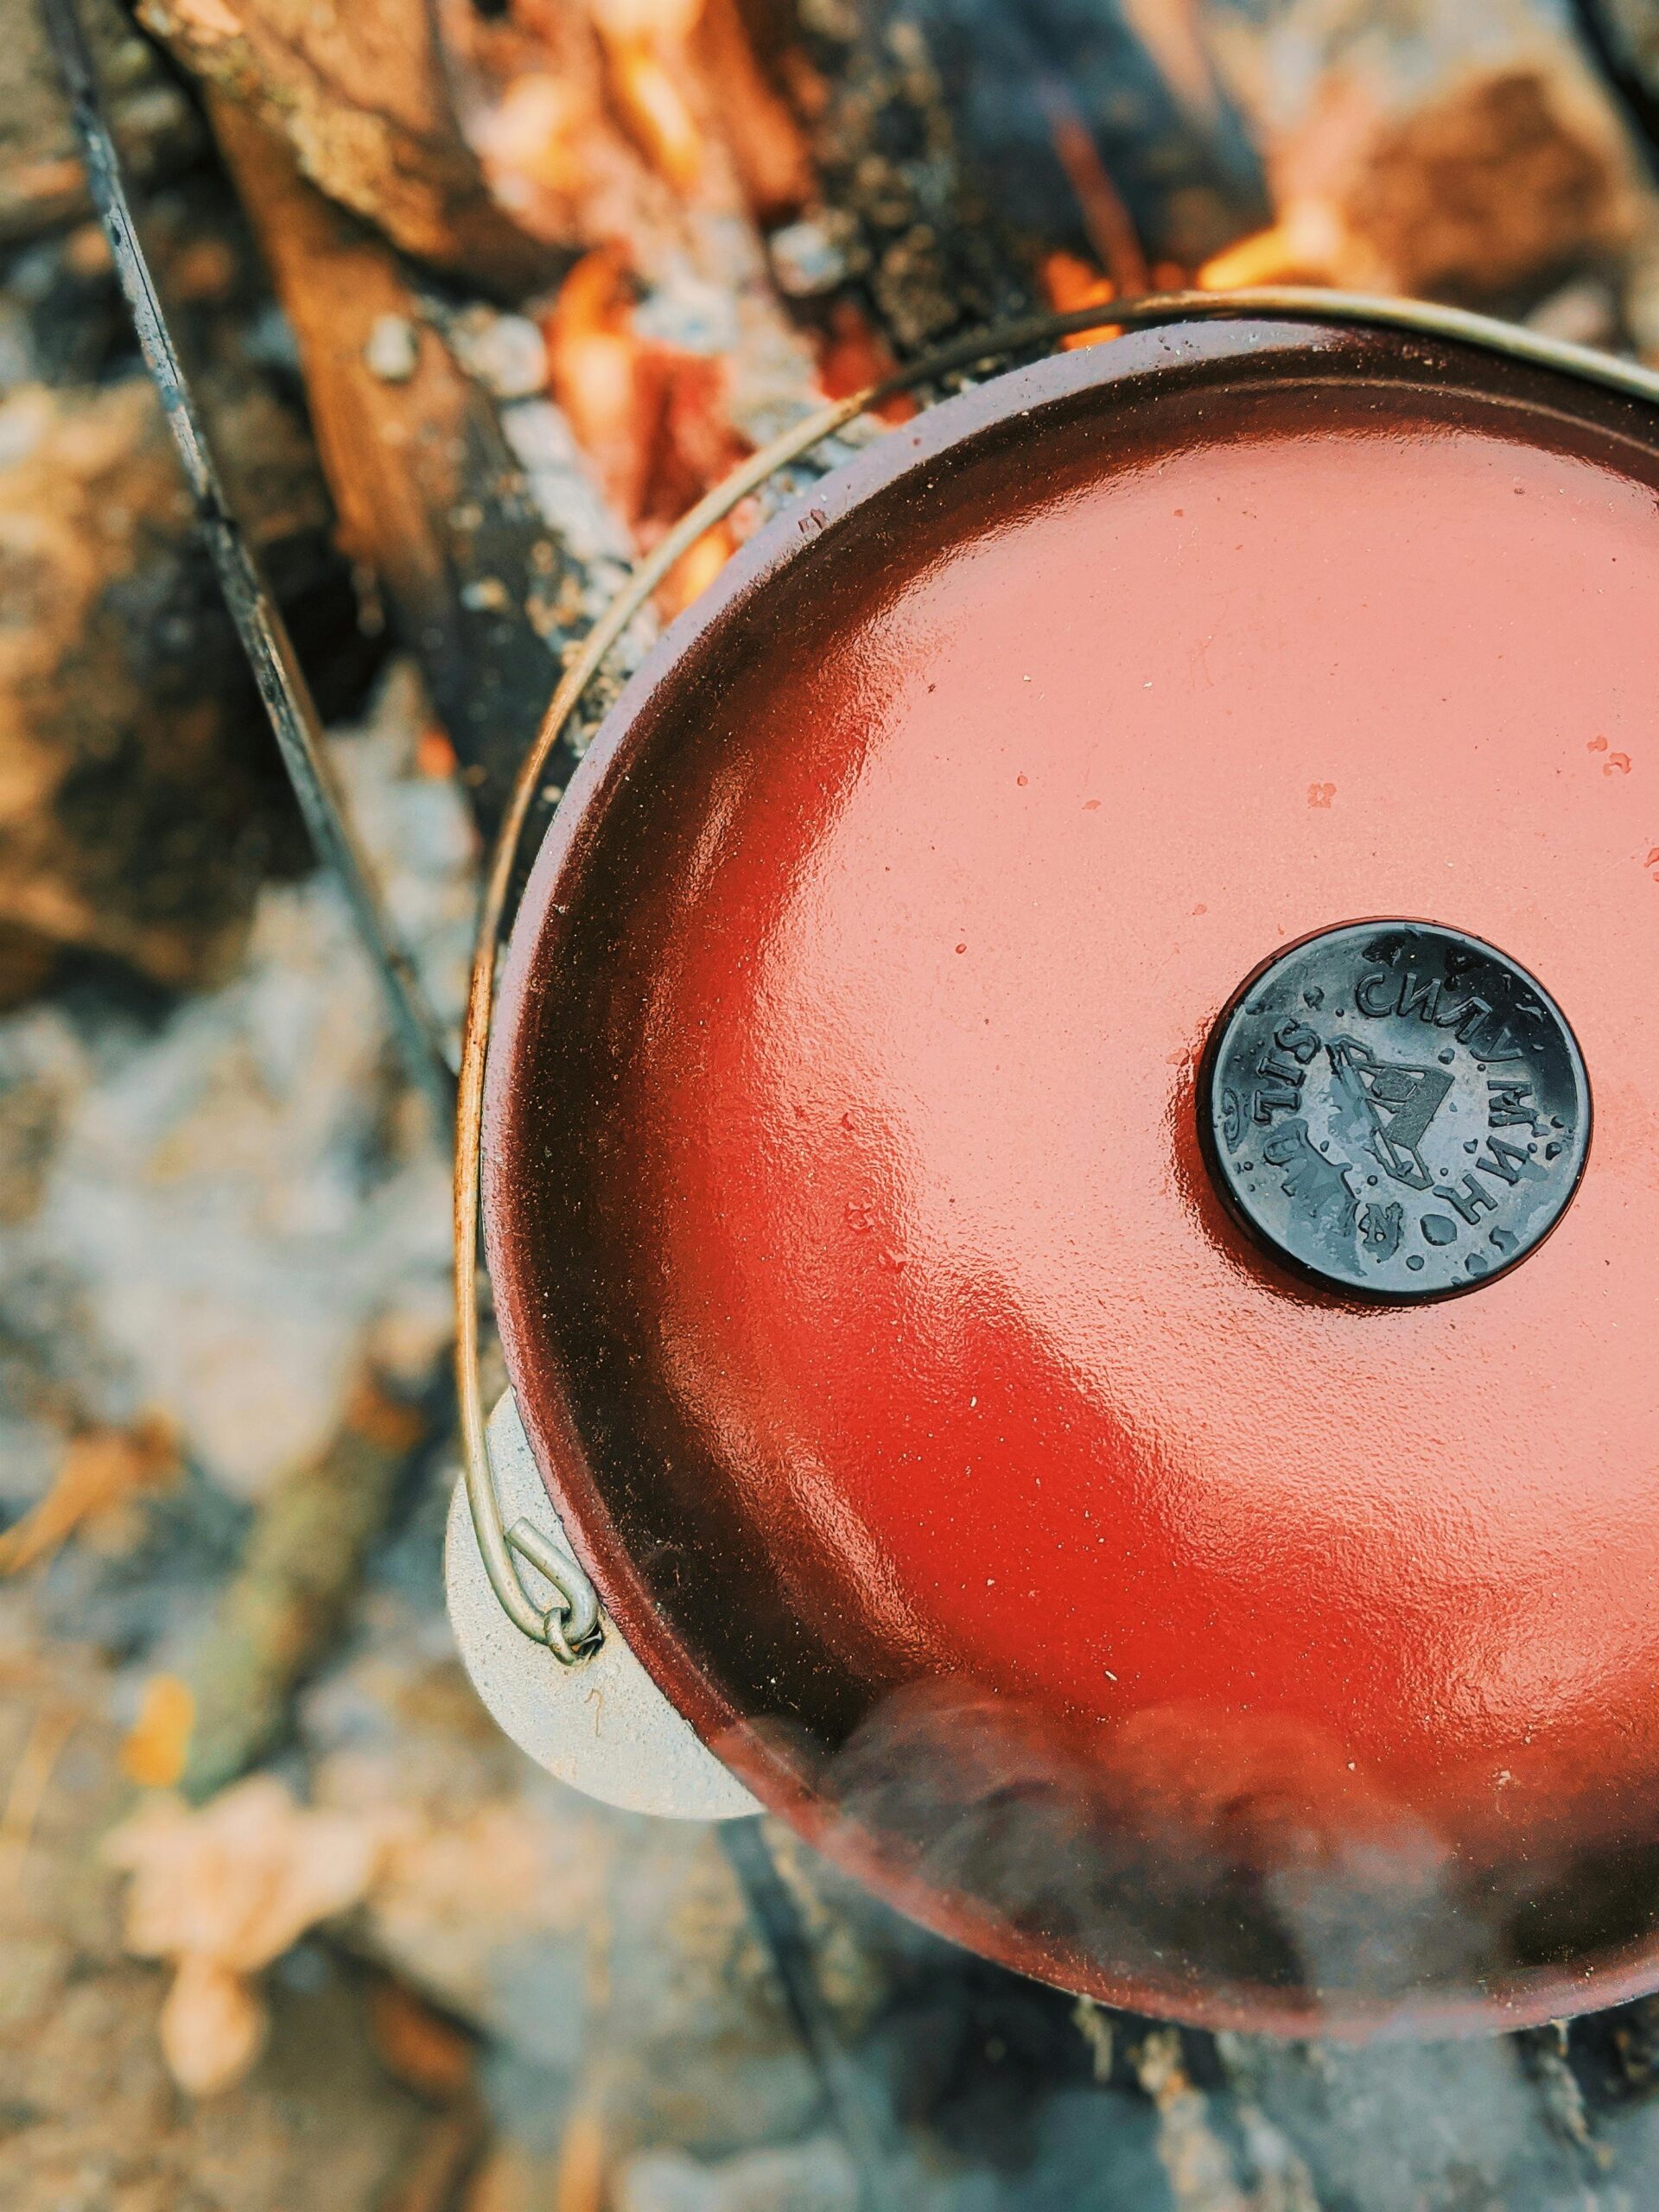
column 1438, row 1229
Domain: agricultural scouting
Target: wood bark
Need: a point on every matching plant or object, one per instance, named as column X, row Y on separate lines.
column 360, row 94
column 430, row 498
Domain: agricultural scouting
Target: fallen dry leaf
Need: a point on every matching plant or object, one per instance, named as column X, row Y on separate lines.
column 158, row 1743
column 243, row 1877
column 417, row 2045
column 101, row 1469
column 212, row 2026
column 223, row 1890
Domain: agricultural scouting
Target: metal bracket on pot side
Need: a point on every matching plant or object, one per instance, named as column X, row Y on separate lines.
column 603, row 1726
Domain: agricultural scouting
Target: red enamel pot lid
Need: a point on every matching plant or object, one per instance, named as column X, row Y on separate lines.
column 1114, row 1588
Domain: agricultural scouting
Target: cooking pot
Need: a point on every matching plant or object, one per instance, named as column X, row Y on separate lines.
column 1069, row 1175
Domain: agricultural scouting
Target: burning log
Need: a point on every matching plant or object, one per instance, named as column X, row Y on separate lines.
column 457, row 485
column 653, row 133
column 1488, row 186
column 360, row 95
column 964, row 145
column 431, row 498
column 1496, row 187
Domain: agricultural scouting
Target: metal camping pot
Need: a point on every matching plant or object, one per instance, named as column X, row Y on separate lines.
column 1038, row 1178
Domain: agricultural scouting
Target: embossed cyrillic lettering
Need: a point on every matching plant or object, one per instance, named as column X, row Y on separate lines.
column 1507, row 1104
column 1509, row 1162
column 1299, row 1040
column 1468, row 1020
column 1468, row 1199
column 1377, row 994
column 1274, row 1098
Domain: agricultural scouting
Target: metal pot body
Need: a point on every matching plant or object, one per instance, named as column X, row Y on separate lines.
column 1107, row 1590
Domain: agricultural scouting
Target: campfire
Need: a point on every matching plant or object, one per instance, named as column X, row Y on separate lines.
column 477, row 302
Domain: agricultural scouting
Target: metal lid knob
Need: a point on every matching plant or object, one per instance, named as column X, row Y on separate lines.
column 1395, row 1108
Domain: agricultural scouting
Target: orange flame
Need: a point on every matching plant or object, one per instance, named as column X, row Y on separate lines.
column 853, row 357
column 655, row 111
column 534, row 139
column 644, row 43
column 695, row 569
column 1071, row 283
column 1305, row 246
column 650, row 418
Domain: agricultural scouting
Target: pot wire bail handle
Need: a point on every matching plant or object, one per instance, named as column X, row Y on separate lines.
column 1294, row 302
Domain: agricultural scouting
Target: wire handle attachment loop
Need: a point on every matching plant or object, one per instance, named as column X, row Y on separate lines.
column 571, row 1629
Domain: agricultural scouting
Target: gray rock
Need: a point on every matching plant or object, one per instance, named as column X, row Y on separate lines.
column 817, row 254
column 815, row 2176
